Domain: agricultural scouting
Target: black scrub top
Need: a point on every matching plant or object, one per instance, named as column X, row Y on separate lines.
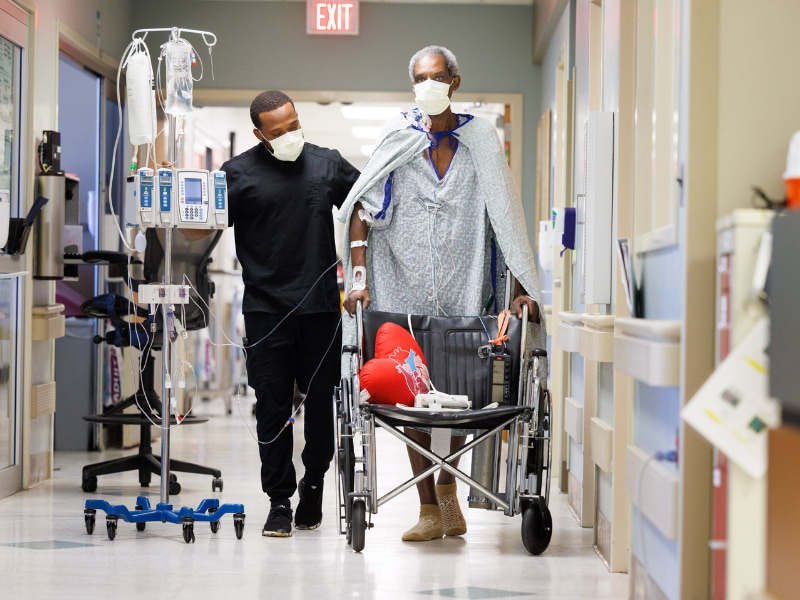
column 281, row 216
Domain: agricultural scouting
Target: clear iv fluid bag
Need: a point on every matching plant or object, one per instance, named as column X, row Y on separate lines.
column 179, row 77
column 141, row 99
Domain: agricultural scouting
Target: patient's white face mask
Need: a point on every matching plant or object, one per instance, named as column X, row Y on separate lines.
column 288, row 146
column 432, row 96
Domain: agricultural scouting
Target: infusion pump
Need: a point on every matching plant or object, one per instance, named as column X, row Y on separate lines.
column 182, row 198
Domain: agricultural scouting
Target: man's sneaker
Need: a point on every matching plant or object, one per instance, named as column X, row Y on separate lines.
column 309, row 510
column 279, row 522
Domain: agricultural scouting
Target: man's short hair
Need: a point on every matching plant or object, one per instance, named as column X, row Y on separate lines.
column 267, row 102
column 449, row 57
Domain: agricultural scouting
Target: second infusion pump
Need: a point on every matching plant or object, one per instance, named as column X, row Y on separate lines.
column 182, row 198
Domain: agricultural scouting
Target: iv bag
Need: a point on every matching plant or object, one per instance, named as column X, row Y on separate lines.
column 179, row 77
column 141, row 99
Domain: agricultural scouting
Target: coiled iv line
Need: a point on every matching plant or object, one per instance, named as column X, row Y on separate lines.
column 245, row 347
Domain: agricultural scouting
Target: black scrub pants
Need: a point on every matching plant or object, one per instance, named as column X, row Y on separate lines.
column 293, row 352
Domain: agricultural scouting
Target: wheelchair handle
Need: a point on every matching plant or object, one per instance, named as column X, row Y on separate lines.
column 523, row 342
column 360, row 333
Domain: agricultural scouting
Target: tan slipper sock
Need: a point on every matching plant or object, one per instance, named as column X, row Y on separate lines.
column 428, row 527
column 454, row 523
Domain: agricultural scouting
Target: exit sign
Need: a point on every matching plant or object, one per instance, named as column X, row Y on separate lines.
column 337, row 17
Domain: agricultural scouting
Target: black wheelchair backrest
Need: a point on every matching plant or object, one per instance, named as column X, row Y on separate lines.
column 450, row 346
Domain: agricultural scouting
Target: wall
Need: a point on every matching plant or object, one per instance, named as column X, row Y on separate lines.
column 757, row 115
column 610, row 102
column 493, row 45
column 113, row 32
column 581, row 83
column 559, row 41
column 758, row 91
column 656, row 419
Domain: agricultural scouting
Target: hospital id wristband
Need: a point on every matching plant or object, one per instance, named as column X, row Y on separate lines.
column 358, row 244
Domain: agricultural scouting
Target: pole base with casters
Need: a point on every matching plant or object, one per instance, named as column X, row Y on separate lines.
column 208, row 511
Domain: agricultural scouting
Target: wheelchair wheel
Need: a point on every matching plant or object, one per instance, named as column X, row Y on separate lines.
column 345, row 455
column 537, row 527
column 347, row 468
column 540, row 452
column 358, row 523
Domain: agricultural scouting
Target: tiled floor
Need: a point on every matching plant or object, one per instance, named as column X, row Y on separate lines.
column 46, row 553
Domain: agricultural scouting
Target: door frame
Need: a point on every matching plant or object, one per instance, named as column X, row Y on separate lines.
column 207, row 97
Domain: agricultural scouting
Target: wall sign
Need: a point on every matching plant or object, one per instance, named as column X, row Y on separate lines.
column 333, row 17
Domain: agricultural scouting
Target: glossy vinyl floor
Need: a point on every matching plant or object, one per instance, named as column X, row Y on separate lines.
column 45, row 551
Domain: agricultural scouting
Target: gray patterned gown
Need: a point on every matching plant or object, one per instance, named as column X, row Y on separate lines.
column 431, row 254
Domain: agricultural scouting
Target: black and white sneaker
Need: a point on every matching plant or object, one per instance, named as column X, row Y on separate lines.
column 309, row 509
column 279, row 522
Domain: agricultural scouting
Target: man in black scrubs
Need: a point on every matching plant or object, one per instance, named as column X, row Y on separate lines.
column 281, row 193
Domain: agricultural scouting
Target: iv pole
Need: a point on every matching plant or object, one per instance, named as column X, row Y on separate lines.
column 166, row 311
column 209, row 510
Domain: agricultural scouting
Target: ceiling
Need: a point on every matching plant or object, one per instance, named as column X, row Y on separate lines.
column 352, row 129
column 496, row 2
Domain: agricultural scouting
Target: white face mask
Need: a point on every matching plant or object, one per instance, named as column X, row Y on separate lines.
column 288, row 146
column 432, row 96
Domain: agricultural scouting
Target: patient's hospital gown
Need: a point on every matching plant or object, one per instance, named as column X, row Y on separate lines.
column 432, row 253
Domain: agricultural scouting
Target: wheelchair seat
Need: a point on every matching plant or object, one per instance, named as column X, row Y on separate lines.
column 483, row 418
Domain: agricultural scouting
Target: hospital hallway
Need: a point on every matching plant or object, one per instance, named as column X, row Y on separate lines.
column 45, row 551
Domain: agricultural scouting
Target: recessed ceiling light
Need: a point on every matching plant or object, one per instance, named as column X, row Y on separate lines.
column 370, row 113
column 366, row 132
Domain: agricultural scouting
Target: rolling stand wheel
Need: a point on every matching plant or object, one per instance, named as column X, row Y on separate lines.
column 188, row 530
column 359, row 520
column 537, row 526
column 238, row 525
column 214, row 524
column 174, row 486
column 111, row 526
column 89, row 484
column 140, row 525
column 216, row 483
column 88, row 517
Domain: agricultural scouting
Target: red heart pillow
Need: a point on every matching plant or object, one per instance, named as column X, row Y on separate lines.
column 390, row 337
column 398, row 372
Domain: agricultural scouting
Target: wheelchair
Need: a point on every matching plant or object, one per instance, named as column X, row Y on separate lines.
column 450, row 346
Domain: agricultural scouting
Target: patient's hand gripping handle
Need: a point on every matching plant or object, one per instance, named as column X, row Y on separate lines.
column 360, row 334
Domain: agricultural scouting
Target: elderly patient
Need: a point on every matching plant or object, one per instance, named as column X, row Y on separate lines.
column 433, row 218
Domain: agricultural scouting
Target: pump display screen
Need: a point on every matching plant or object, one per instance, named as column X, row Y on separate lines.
column 194, row 191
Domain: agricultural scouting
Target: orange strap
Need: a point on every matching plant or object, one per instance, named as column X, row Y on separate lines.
column 502, row 327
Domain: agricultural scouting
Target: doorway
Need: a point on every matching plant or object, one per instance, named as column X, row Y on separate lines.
column 79, row 107
column 215, row 133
